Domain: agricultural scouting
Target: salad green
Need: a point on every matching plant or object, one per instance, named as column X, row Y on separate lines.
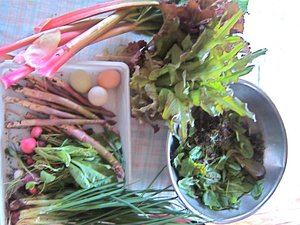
column 212, row 162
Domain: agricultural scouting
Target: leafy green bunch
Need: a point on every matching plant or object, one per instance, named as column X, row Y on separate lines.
column 181, row 71
column 216, row 163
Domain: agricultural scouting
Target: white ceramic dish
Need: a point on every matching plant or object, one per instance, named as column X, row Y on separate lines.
column 118, row 103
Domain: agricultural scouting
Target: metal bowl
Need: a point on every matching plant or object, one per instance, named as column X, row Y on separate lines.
column 269, row 122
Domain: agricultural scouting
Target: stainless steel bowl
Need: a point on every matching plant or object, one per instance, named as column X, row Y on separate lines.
column 269, row 122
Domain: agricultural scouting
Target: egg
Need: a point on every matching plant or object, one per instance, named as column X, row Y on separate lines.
column 109, row 78
column 80, row 81
column 97, row 96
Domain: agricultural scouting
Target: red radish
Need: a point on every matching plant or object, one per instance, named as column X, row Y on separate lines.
column 33, row 190
column 41, row 144
column 29, row 161
column 36, row 132
column 27, row 145
column 30, row 177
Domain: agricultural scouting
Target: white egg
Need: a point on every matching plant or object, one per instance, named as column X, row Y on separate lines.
column 97, row 96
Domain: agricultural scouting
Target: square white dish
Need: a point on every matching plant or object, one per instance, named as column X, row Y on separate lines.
column 118, row 103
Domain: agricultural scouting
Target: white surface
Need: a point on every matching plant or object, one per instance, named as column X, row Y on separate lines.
column 118, row 103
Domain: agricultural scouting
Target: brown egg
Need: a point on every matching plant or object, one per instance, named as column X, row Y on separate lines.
column 109, row 79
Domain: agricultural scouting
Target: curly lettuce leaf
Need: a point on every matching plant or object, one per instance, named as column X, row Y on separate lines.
column 184, row 72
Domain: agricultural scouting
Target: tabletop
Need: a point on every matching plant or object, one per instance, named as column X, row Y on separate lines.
column 270, row 24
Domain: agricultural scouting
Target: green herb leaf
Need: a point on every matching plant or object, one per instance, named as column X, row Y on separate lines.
column 46, row 177
column 257, row 190
column 196, row 153
column 187, row 184
column 210, row 198
column 29, row 185
column 187, row 167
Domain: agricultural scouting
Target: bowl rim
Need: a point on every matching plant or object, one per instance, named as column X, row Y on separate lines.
column 173, row 177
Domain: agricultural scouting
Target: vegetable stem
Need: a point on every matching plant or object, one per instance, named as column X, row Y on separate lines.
column 108, row 156
column 52, row 122
column 40, row 108
column 58, row 100
column 16, row 75
column 93, row 10
column 65, row 52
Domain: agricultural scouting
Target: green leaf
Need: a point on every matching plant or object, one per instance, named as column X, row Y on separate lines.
column 29, row 185
column 196, row 153
column 210, row 199
column 187, row 43
column 174, row 54
column 221, row 162
column 257, row 190
column 46, row 177
column 181, row 91
column 187, row 184
column 64, row 157
column 246, row 148
column 177, row 112
column 177, row 160
column 79, row 176
column 233, row 103
column 187, row 167
column 94, row 173
column 243, row 4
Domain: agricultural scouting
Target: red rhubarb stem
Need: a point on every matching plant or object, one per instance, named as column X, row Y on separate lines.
column 92, row 11
column 18, row 74
column 28, row 40
column 65, row 52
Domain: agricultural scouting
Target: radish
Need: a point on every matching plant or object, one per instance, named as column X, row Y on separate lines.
column 41, row 144
column 29, row 161
column 36, row 132
column 33, row 190
column 27, row 145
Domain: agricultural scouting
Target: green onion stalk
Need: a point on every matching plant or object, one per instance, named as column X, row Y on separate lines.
column 113, row 203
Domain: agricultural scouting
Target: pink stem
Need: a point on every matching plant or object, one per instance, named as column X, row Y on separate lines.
column 65, row 52
column 67, row 36
column 12, row 77
column 28, row 40
column 91, row 11
column 5, row 57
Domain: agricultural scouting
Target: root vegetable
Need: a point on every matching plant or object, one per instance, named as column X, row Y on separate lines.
column 27, row 145
column 36, row 132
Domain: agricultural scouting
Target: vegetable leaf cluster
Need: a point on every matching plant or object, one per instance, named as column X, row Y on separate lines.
column 207, row 163
column 183, row 71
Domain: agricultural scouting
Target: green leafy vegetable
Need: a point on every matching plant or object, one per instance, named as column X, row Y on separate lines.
column 212, row 163
column 184, row 71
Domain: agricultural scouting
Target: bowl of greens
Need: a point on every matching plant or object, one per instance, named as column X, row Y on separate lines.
column 229, row 165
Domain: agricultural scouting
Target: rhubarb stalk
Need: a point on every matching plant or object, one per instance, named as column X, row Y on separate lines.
column 92, row 11
column 16, row 75
column 65, row 52
column 28, row 40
